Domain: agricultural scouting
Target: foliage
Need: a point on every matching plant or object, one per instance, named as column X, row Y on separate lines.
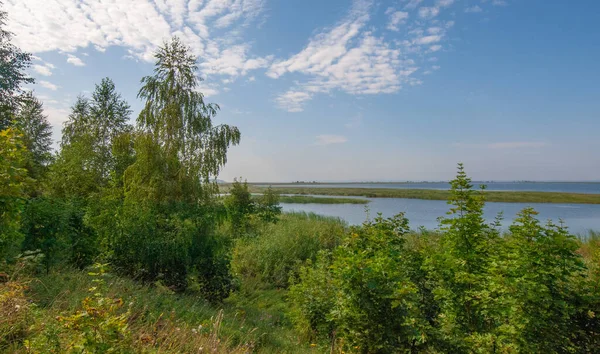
column 267, row 206
column 374, row 303
column 462, row 289
column 278, row 250
column 15, row 314
column 240, row 207
column 90, row 133
column 13, row 66
column 99, row 327
column 56, row 229
column 37, row 135
column 544, row 272
column 13, row 184
column 459, row 271
column 179, row 121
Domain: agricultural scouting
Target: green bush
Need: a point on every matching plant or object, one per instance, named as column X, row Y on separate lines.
column 373, row 303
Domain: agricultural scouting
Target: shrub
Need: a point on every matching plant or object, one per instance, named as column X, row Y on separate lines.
column 373, row 302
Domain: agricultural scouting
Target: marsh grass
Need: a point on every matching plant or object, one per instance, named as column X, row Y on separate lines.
column 306, row 199
column 434, row 194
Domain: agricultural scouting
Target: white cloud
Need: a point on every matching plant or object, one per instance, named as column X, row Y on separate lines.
column 428, row 40
column 397, row 18
column 428, row 12
column 435, row 48
column 207, row 89
column 48, row 85
column 327, row 139
column 412, row 4
column 445, row 3
column 473, row 9
column 44, row 70
column 75, row 60
column 211, row 27
column 346, row 57
column 292, row 101
column 499, row 3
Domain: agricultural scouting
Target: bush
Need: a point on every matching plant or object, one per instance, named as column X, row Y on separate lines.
column 373, row 301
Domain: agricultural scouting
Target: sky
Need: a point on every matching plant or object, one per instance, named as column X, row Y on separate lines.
column 350, row 90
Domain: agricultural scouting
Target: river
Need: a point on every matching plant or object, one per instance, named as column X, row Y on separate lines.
column 578, row 217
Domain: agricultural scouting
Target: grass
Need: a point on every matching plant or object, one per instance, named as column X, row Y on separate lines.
column 306, row 199
column 249, row 322
column 433, row 194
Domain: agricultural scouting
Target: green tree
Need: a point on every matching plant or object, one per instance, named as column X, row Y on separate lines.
column 267, row 206
column 37, row 135
column 167, row 225
column 180, row 122
column 458, row 272
column 240, row 207
column 92, row 128
column 543, row 269
column 366, row 296
column 13, row 184
column 13, row 66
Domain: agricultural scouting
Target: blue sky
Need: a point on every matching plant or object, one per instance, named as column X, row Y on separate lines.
column 351, row 90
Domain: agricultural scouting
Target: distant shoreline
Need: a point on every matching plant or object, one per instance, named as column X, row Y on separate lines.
column 435, row 194
column 408, row 182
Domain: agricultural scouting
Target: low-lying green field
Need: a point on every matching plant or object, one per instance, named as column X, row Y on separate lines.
column 434, row 194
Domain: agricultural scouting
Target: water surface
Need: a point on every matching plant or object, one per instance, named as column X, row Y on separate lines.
column 578, row 217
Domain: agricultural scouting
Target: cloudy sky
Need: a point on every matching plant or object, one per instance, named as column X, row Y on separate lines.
column 351, row 90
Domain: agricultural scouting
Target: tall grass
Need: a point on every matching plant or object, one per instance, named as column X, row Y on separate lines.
column 278, row 250
column 158, row 320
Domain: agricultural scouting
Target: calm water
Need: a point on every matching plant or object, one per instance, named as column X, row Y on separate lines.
column 570, row 187
column 578, row 217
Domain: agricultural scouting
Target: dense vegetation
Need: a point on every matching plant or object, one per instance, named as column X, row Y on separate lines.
column 434, row 194
column 121, row 242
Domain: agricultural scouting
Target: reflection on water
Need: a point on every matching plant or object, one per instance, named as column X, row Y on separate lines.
column 578, row 217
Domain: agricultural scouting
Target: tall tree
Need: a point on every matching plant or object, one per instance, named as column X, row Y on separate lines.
column 179, row 121
column 166, row 227
column 37, row 134
column 13, row 183
column 89, row 135
column 78, row 121
column 13, row 64
column 109, row 114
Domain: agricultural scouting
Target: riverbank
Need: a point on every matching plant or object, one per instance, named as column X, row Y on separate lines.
column 434, row 194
